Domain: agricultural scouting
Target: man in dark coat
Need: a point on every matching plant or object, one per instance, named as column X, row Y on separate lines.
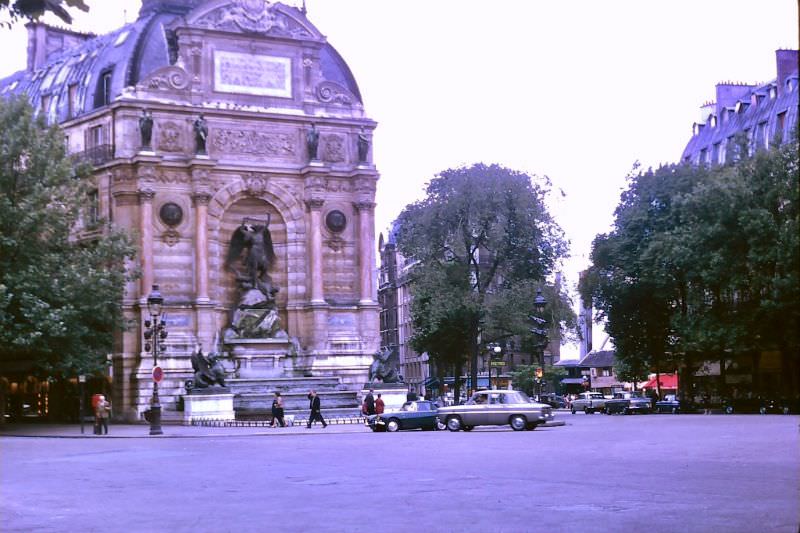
column 316, row 412
column 370, row 401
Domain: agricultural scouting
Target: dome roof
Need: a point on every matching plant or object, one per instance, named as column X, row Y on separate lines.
column 94, row 72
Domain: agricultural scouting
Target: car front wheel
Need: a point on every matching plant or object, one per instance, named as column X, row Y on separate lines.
column 453, row 423
column 392, row 425
column 518, row 422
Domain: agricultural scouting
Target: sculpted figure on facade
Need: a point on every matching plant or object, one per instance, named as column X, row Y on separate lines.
column 384, row 366
column 312, row 142
column 200, row 135
column 146, row 129
column 363, row 146
column 256, row 315
column 208, row 371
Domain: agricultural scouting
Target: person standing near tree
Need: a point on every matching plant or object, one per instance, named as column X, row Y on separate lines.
column 316, row 410
column 101, row 412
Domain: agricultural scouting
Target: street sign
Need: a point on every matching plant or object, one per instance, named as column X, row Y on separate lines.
column 158, row 374
column 82, row 378
column 497, row 363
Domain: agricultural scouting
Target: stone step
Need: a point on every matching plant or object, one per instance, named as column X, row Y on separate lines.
column 283, row 385
column 293, row 401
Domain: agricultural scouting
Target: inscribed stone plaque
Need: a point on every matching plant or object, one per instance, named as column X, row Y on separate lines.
column 252, row 74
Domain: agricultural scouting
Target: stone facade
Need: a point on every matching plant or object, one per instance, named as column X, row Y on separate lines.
column 261, row 75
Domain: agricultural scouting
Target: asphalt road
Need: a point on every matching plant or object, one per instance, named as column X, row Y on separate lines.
column 656, row 473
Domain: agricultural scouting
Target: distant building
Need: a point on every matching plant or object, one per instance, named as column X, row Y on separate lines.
column 746, row 117
column 585, row 322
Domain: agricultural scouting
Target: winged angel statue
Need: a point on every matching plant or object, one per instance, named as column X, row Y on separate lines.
column 250, row 257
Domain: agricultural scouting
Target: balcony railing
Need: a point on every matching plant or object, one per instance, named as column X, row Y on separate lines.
column 96, row 155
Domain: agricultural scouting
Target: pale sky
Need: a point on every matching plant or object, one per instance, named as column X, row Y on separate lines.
column 577, row 90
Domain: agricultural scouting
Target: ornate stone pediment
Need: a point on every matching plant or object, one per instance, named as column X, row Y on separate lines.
column 254, row 17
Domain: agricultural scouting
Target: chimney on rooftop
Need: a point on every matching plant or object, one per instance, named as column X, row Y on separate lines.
column 786, row 65
column 728, row 93
column 46, row 41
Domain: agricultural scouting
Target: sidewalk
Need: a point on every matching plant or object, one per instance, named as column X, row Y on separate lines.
column 136, row 431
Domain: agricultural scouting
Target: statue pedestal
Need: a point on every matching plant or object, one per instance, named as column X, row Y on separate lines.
column 392, row 394
column 207, row 406
column 261, row 358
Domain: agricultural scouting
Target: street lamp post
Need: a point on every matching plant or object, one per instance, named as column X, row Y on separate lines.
column 540, row 331
column 498, row 351
column 154, row 335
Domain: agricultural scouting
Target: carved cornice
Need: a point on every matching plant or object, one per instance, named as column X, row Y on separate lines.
column 315, row 204
column 146, row 194
column 364, row 206
column 201, row 198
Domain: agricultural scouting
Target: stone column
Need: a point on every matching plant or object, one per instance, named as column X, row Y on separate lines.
column 315, row 208
column 366, row 256
column 146, row 196
column 201, row 245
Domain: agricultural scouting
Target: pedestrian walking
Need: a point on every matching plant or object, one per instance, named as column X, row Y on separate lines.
column 101, row 412
column 379, row 405
column 277, row 411
column 316, row 412
column 369, row 401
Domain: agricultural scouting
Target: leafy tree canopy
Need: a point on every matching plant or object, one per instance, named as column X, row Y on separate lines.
column 60, row 296
column 483, row 241
column 33, row 9
column 702, row 262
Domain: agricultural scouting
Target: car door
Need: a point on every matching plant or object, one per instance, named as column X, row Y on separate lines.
column 476, row 409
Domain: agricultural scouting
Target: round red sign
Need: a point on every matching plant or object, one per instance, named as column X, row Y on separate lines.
column 158, row 374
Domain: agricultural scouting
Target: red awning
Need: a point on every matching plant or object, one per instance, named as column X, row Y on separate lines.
column 667, row 381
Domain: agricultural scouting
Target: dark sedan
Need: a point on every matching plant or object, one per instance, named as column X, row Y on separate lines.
column 413, row 415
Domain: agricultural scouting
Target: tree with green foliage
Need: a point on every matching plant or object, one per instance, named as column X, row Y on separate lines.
column 33, row 9
column 60, row 295
column 703, row 264
column 483, row 241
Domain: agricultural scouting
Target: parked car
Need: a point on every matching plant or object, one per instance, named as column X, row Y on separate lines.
column 757, row 405
column 588, row 402
column 627, row 403
column 412, row 415
column 553, row 400
column 496, row 408
column 671, row 404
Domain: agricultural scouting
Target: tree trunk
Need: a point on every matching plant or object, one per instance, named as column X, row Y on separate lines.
column 473, row 359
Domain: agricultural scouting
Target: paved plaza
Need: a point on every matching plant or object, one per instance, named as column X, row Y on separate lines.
column 656, row 473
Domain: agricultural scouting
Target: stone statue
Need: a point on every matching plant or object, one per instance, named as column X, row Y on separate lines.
column 363, row 147
column 208, row 371
column 256, row 316
column 200, row 135
column 146, row 129
column 312, row 142
column 384, row 367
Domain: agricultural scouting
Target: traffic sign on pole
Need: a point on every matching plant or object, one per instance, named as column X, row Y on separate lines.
column 158, row 374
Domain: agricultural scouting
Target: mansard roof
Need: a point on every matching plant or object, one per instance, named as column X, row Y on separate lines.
column 742, row 108
column 139, row 48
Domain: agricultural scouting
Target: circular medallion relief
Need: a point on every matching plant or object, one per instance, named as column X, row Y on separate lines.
column 171, row 214
column 336, row 221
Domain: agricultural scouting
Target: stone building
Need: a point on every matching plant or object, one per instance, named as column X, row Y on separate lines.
column 746, row 116
column 394, row 297
column 233, row 89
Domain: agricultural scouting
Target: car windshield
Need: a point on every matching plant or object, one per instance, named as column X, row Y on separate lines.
column 516, row 397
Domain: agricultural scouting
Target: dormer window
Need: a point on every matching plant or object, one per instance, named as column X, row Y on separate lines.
column 713, row 121
column 741, row 107
column 102, row 95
